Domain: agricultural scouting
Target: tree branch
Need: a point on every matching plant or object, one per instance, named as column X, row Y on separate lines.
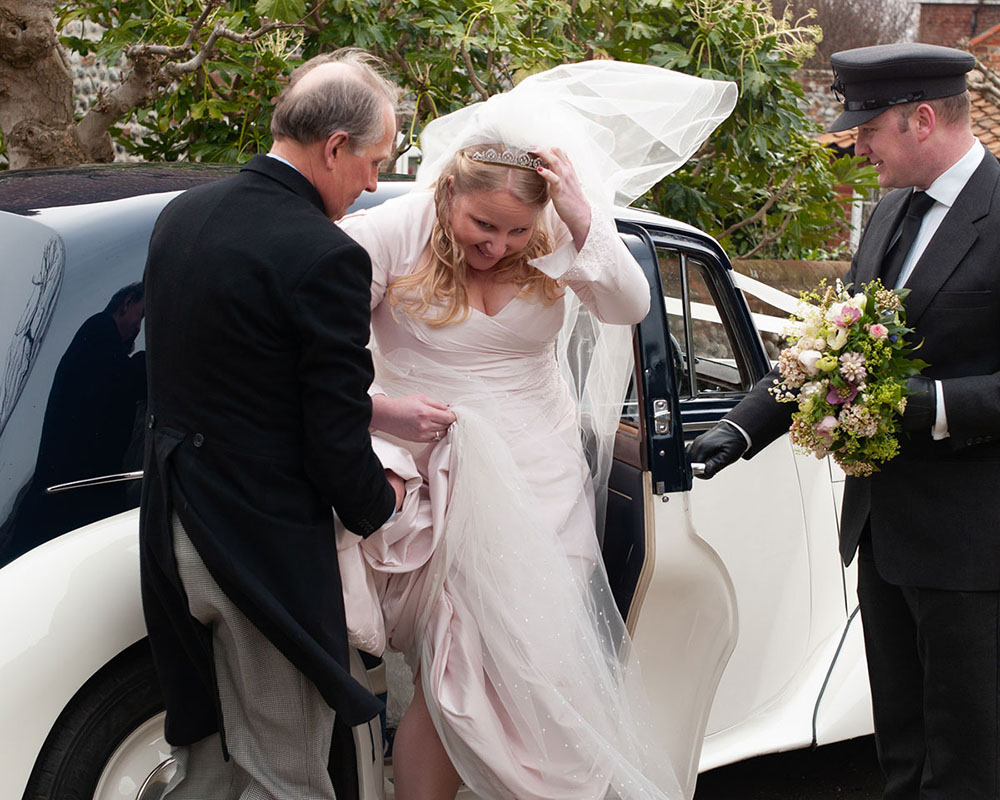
column 150, row 73
column 769, row 238
column 210, row 6
column 761, row 212
column 988, row 84
column 483, row 92
column 139, row 85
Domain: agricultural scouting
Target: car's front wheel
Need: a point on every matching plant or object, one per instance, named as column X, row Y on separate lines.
column 108, row 743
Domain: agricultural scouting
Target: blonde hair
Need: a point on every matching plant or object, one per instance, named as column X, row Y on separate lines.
column 436, row 292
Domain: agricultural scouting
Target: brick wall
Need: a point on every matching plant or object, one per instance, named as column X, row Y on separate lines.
column 949, row 24
column 820, row 104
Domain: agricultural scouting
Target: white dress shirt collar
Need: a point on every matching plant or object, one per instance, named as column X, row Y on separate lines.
column 950, row 183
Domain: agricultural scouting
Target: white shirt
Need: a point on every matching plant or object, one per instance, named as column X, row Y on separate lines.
column 944, row 191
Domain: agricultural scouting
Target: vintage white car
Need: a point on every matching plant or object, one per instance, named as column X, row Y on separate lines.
column 745, row 620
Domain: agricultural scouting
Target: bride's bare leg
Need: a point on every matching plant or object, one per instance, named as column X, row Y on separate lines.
column 420, row 766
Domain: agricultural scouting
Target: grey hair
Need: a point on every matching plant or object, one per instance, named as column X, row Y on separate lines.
column 353, row 102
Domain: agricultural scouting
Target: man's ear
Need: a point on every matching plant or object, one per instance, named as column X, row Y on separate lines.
column 332, row 146
column 924, row 121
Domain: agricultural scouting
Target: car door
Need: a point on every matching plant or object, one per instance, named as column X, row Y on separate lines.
column 671, row 587
column 772, row 520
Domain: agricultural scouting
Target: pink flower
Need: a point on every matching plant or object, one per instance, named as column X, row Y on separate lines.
column 878, row 331
column 826, row 427
column 835, row 396
column 852, row 367
column 848, row 316
column 843, row 315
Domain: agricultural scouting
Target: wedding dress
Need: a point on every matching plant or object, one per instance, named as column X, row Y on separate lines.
column 490, row 578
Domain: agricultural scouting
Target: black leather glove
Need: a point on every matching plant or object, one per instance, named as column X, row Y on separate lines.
column 717, row 448
column 921, row 405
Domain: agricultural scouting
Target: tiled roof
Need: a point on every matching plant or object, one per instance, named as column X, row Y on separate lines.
column 985, row 125
column 984, row 38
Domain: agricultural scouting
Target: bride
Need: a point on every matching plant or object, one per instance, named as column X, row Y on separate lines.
column 501, row 300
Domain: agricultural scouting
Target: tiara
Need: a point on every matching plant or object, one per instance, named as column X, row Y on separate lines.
column 520, row 160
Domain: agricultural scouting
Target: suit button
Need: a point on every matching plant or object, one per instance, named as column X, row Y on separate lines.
column 151, row 422
column 197, row 440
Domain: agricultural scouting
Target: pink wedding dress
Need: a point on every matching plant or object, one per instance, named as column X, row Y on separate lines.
column 490, row 579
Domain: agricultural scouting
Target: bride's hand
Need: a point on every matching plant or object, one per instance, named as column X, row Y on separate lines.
column 567, row 195
column 415, row 418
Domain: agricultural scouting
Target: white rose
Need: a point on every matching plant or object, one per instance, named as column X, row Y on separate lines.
column 808, row 359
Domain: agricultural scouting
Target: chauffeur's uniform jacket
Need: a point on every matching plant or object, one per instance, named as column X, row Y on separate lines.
column 934, row 508
column 257, row 323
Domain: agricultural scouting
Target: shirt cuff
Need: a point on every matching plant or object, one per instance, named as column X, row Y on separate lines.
column 940, row 429
column 746, row 435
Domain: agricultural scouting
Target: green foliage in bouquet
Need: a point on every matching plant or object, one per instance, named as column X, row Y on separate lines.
column 846, row 368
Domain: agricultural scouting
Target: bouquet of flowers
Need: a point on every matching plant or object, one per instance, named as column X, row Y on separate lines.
column 846, row 367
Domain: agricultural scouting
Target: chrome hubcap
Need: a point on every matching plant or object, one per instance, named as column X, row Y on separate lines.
column 140, row 767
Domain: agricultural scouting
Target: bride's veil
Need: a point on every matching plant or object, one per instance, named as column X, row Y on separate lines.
column 624, row 127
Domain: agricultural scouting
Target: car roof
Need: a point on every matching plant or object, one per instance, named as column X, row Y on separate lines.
column 28, row 191
column 24, row 191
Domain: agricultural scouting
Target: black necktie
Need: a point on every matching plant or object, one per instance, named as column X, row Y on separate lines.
column 896, row 255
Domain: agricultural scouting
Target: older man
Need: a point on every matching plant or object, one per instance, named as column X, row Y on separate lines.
column 926, row 526
column 257, row 311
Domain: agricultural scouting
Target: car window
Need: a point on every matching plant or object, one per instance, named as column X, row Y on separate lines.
column 77, row 394
column 703, row 347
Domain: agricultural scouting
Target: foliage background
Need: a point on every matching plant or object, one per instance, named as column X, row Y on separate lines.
column 762, row 185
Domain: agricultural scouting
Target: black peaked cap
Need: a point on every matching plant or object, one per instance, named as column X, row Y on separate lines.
column 871, row 79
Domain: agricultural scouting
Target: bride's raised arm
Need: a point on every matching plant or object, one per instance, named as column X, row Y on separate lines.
column 603, row 273
column 589, row 256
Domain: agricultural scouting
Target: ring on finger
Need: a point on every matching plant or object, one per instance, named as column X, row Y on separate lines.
column 437, row 436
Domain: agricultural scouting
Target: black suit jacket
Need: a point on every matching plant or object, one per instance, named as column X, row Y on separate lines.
column 934, row 508
column 257, row 320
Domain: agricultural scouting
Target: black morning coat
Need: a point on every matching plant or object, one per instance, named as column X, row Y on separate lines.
column 934, row 508
column 257, row 320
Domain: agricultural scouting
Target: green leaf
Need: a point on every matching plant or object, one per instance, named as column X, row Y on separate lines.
column 281, row 10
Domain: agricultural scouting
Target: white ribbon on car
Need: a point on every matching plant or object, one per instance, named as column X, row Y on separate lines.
column 762, row 291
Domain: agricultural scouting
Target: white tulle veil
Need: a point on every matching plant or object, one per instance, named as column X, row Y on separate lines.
column 624, row 128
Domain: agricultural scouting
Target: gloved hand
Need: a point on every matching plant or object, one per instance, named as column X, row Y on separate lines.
column 717, row 448
column 921, row 404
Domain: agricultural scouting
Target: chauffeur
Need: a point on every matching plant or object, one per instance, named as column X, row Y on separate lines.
column 927, row 526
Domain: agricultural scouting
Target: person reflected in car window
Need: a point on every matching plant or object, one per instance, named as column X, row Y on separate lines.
column 98, row 387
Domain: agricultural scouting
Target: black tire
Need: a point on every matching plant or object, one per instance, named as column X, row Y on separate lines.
column 113, row 704
column 110, row 706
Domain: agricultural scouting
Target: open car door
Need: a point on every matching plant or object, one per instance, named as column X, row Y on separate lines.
column 671, row 587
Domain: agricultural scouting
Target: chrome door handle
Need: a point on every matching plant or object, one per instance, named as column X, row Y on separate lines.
column 119, row 477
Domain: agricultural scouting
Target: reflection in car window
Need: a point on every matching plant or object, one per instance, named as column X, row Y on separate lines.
column 92, row 427
column 699, row 333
